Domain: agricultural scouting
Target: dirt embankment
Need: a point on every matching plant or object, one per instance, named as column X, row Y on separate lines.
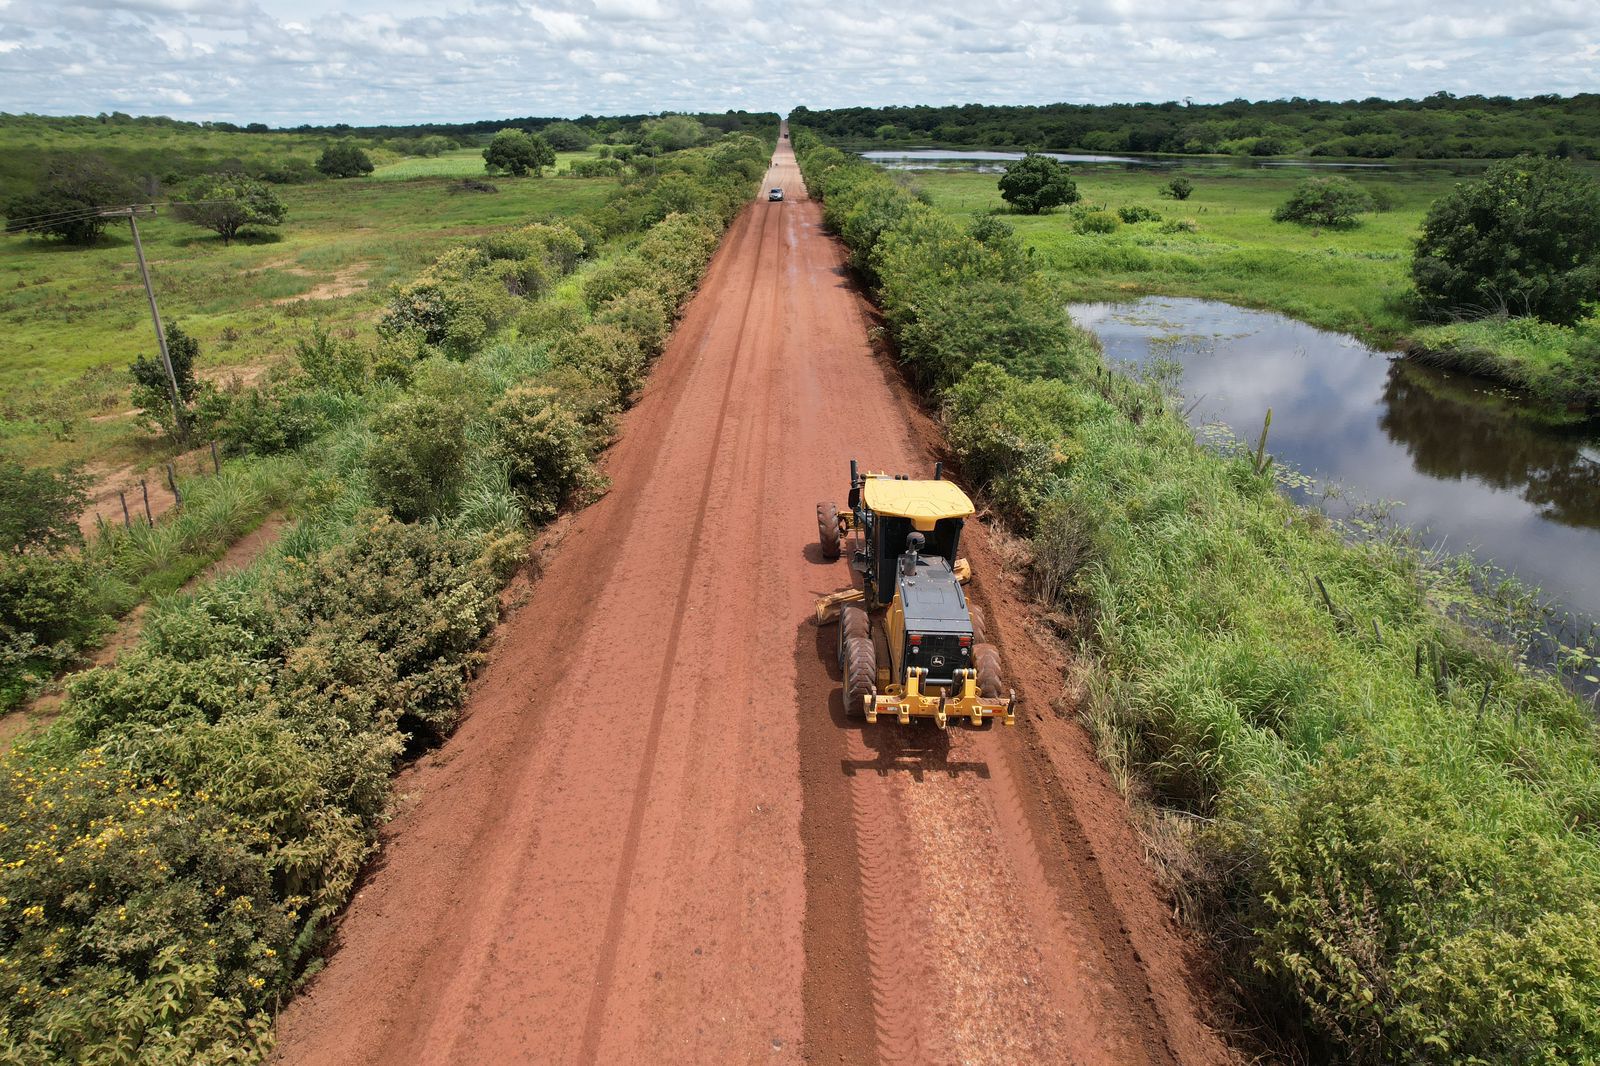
column 657, row 838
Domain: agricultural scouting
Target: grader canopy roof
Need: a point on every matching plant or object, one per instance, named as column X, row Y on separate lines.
column 924, row 502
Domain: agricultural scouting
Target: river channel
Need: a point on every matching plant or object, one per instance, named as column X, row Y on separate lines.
column 1444, row 449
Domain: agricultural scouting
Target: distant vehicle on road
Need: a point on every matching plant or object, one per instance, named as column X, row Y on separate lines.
column 775, row 194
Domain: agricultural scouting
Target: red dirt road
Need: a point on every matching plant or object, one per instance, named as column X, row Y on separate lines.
column 655, row 837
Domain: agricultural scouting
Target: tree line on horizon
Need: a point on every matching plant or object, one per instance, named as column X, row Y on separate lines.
column 1440, row 126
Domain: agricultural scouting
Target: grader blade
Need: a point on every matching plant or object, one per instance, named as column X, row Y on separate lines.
column 828, row 606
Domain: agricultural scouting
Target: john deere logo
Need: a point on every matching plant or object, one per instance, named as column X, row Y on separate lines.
column 938, row 660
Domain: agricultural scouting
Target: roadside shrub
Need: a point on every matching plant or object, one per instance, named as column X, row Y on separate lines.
column 605, row 355
column 47, row 598
column 412, row 599
column 1396, row 911
column 39, row 508
column 1334, row 202
column 269, row 421
column 1523, row 240
column 138, row 925
column 546, row 451
column 456, row 304
column 342, row 366
column 1005, row 448
column 417, row 456
column 642, row 313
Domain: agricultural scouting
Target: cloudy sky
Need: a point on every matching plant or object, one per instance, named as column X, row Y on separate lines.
column 292, row 61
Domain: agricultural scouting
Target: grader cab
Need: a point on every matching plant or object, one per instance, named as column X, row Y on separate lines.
column 910, row 644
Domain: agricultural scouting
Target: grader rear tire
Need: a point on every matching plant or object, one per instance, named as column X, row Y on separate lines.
column 828, row 529
column 860, row 674
column 852, row 623
column 976, row 614
column 986, row 659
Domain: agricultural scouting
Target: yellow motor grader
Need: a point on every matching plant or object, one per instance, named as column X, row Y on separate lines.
column 910, row 645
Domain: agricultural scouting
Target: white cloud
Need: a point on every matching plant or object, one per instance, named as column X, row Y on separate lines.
column 293, row 61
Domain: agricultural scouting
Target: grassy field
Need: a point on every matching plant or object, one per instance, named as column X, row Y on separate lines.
column 27, row 143
column 465, row 163
column 1222, row 244
column 75, row 318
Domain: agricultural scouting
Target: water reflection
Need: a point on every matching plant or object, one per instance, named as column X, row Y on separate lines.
column 1465, row 473
column 1449, row 433
column 986, row 160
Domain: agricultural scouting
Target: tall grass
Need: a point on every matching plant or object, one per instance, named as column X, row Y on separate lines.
column 217, row 510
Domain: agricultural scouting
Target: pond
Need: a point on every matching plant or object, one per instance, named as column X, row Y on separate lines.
column 1464, row 473
column 995, row 160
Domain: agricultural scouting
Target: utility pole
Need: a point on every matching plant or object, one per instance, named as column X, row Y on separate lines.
column 131, row 213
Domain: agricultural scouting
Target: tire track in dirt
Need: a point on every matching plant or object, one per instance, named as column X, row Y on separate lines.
column 590, row 1046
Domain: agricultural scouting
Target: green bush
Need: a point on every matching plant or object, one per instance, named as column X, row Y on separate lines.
column 48, row 597
column 1522, row 240
column 1095, row 222
column 1403, row 917
column 1334, row 202
column 643, row 313
column 417, row 456
column 456, row 304
column 546, row 450
column 268, row 421
column 137, row 924
column 416, row 600
column 605, row 355
column 39, row 508
column 1179, row 188
column 1134, row 213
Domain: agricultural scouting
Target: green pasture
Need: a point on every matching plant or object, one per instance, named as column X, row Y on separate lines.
column 75, row 317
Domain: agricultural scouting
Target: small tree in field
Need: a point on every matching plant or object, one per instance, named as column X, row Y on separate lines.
column 226, row 203
column 567, row 136
column 1333, row 202
column 150, row 378
column 1178, row 188
column 344, row 161
column 1037, row 183
column 63, row 207
column 517, row 152
column 1523, row 239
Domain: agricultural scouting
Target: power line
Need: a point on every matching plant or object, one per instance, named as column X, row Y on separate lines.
column 29, row 222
